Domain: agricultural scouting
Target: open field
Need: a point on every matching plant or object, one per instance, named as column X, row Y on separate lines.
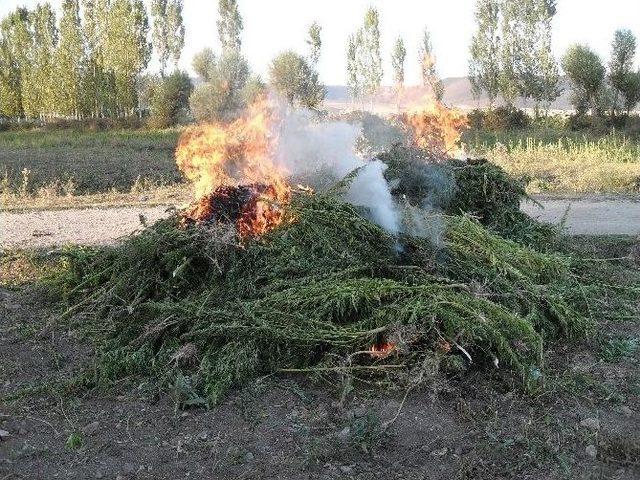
column 67, row 169
column 557, row 161
column 583, row 423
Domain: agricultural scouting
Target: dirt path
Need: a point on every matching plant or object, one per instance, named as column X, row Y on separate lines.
column 91, row 226
column 104, row 226
column 590, row 216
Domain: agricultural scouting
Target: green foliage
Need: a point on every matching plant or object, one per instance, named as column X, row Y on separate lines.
column 170, row 100
column 511, row 51
column 499, row 119
column 168, row 31
column 625, row 83
column 427, row 59
column 15, row 41
column 126, row 50
column 222, row 96
column 529, row 68
column 292, row 77
column 70, row 62
column 314, row 41
column 203, row 310
column 37, row 73
column 617, row 349
column 364, row 60
column 484, row 65
column 74, row 441
column 204, row 64
column 398, row 57
column 89, row 68
column 229, row 25
column 551, row 157
column 354, row 82
column 586, row 73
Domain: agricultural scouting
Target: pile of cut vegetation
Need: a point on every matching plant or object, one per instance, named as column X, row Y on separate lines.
column 203, row 309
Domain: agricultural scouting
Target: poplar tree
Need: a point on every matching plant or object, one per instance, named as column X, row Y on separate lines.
column 398, row 57
column 623, row 52
column 429, row 73
column 353, row 71
column 37, row 85
column 370, row 59
column 204, row 63
column 484, row 64
column 314, row 41
column 70, row 63
column 99, row 85
column 15, row 34
column 168, row 31
column 535, row 67
column 511, row 51
column 229, row 25
column 126, row 50
column 587, row 76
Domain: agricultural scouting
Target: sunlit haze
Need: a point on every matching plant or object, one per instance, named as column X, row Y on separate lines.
column 276, row 25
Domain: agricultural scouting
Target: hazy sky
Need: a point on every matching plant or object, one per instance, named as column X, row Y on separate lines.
column 275, row 25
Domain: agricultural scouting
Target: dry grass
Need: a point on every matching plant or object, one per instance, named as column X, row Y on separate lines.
column 64, row 169
column 570, row 164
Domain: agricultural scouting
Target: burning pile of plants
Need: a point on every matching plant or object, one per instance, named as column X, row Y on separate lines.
column 257, row 277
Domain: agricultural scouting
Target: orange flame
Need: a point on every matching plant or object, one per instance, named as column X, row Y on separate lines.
column 216, row 156
column 436, row 127
column 382, row 350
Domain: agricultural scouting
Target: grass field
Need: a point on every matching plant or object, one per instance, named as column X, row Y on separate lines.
column 51, row 167
column 61, row 169
column 560, row 161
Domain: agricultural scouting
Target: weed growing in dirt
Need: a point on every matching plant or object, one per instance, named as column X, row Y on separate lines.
column 618, row 349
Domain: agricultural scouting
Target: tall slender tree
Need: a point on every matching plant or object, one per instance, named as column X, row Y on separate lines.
column 353, row 70
column 38, row 80
column 168, row 31
column 370, row 56
column 70, row 63
column 15, row 32
column 623, row 52
column 484, row 65
column 427, row 59
column 398, row 57
column 99, row 85
column 535, row 67
column 230, row 25
column 314, row 40
column 126, row 50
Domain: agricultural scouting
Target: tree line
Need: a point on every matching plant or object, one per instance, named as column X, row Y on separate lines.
column 511, row 56
column 88, row 63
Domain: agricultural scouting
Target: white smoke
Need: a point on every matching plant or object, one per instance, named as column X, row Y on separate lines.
column 309, row 147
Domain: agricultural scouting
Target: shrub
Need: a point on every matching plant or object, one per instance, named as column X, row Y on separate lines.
column 291, row 76
column 499, row 119
column 227, row 88
column 169, row 102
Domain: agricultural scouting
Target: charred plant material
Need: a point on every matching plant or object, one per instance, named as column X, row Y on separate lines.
column 253, row 208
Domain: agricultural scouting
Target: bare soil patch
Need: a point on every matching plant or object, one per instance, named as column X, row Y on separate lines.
column 584, row 423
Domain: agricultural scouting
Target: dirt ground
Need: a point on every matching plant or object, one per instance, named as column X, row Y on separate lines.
column 94, row 226
column 584, row 423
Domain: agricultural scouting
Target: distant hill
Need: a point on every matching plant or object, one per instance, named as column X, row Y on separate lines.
column 457, row 94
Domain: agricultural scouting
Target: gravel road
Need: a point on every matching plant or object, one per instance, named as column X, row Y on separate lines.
column 90, row 226
column 104, row 226
column 593, row 216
